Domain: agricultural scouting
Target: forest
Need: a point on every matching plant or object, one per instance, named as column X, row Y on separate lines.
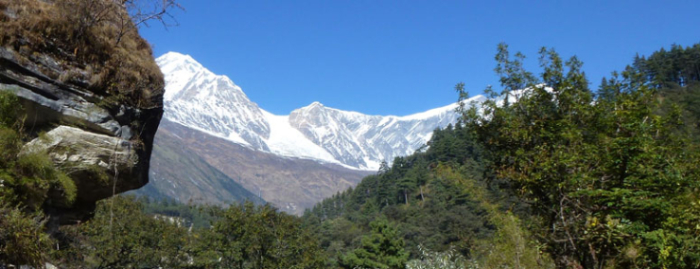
column 548, row 173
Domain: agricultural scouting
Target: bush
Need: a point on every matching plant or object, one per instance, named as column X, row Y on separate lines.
column 8, row 109
column 22, row 237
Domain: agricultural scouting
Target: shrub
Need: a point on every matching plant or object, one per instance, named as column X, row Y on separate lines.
column 22, row 239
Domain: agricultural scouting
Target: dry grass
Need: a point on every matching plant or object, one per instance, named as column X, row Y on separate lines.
column 93, row 40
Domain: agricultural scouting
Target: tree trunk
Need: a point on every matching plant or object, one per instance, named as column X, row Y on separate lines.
column 421, row 194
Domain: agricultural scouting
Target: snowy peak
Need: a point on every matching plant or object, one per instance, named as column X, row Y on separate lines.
column 333, row 130
column 178, row 69
column 182, row 71
column 315, row 104
column 198, row 98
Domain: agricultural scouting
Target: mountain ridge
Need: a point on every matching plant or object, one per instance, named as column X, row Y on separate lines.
column 198, row 98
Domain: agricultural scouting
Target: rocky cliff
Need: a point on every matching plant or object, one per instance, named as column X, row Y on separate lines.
column 91, row 96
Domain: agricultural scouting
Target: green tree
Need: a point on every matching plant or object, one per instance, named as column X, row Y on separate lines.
column 249, row 236
column 382, row 249
column 121, row 235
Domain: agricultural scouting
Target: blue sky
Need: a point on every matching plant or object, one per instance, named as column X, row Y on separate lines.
column 398, row 57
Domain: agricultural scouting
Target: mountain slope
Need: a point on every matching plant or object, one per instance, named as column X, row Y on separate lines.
column 178, row 174
column 292, row 184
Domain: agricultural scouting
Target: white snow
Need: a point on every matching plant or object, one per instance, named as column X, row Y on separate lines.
column 233, row 137
column 436, row 112
column 287, row 141
column 179, row 69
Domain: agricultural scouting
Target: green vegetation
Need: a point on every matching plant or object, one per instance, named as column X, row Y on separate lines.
column 26, row 182
column 28, row 178
column 22, row 238
column 552, row 176
column 123, row 235
column 382, row 248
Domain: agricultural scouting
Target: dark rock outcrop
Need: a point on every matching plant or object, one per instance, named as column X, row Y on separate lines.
column 103, row 143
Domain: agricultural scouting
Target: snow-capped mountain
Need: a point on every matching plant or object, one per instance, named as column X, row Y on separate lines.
column 363, row 141
column 197, row 98
column 200, row 99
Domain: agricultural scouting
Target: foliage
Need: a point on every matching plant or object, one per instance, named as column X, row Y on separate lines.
column 9, row 114
column 427, row 208
column 30, row 177
column 381, row 249
column 123, row 235
column 512, row 245
column 603, row 177
column 190, row 215
column 27, row 181
column 250, row 236
column 677, row 66
column 22, row 237
column 675, row 74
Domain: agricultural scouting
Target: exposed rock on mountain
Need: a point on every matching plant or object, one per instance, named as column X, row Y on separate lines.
column 98, row 100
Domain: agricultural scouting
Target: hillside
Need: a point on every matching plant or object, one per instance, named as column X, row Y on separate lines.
column 291, row 184
column 204, row 185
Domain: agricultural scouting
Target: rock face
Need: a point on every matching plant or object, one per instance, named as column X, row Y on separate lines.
column 104, row 146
